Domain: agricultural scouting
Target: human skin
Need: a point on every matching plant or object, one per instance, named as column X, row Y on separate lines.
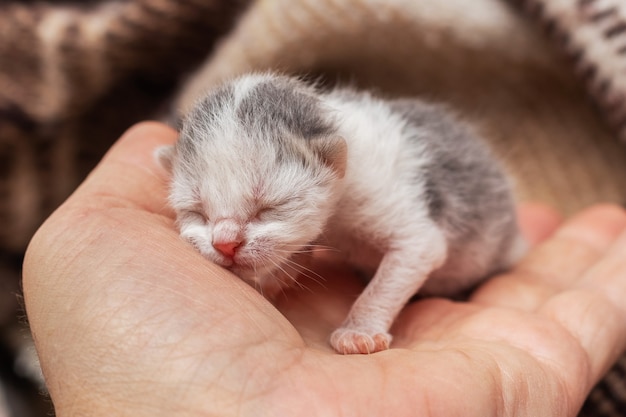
column 128, row 319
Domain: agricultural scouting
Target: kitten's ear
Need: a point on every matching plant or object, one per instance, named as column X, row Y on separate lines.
column 333, row 151
column 164, row 156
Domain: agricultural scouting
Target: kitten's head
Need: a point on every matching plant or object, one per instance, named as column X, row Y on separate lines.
column 254, row 175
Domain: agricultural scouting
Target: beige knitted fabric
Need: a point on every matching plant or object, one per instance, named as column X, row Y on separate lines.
column 484, row 59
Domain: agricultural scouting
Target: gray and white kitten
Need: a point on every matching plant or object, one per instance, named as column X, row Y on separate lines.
column 266, row 166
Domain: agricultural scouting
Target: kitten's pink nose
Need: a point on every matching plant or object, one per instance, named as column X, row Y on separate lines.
column 227, row 248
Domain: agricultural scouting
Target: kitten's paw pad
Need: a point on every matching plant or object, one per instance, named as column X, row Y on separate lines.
column 347, row 341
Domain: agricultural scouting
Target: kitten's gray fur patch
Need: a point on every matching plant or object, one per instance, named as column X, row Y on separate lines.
column 274, row 111
column 460, row 170
column 205, row 114
column 284, row 104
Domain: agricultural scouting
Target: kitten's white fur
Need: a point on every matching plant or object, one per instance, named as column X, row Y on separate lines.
column 246, row 171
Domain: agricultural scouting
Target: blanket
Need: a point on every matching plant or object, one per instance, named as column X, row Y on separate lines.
column 543, row 80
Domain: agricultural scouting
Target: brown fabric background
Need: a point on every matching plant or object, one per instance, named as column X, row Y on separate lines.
column 73, row 76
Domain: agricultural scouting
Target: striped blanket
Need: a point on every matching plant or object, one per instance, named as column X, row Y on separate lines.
column 544, row 80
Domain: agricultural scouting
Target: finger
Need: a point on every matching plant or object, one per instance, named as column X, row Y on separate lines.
column 594, row 309
column 575, row 247
column 90, row 229
column 558, row 263
column 537, row 222
column 130, row 172
column 104, row 265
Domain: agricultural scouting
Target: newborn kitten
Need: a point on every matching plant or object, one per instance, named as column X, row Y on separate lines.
column 266, row 165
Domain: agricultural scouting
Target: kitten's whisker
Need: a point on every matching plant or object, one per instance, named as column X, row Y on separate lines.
column 315, row 277
column 283, row 285
column 278, row 266
column 257, row 286
column 294, row 251
column 308, row 251
column 313, row 248
column 294, row 280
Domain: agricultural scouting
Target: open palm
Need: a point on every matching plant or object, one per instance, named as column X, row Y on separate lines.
column 130, row 320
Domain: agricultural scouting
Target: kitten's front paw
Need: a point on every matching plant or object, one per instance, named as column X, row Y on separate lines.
column 348, row 341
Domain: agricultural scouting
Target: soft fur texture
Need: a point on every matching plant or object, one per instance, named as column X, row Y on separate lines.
column 242, row 172
column 265, row 166
column 488, row 64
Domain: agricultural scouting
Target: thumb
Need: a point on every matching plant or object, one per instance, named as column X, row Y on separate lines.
column 114, row 296
column 130, row 172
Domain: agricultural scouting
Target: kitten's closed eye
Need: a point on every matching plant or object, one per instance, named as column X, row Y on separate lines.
column 275, row 210
column 195, row 215
column 264, row 213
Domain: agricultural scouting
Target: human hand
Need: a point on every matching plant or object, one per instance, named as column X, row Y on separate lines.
column 128, row 319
